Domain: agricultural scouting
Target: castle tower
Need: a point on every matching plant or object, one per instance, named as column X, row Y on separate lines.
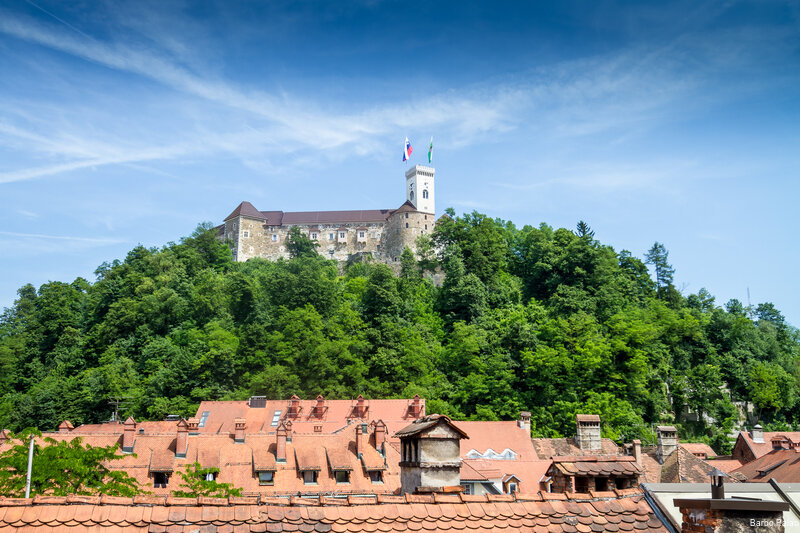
column 420, row 188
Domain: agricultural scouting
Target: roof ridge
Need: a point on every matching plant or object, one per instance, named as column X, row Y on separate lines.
column 317, row 500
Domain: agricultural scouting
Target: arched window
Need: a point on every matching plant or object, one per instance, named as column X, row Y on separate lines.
column 425, row 194
column 411, row 196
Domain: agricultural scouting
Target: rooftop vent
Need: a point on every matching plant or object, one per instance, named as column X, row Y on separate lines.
column 173, row 418
column 257, row 402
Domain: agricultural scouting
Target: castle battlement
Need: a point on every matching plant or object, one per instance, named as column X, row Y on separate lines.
column 382, row 233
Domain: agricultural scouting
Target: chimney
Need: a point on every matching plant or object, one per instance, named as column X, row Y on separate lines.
column 588, row 432
column 238, row 434
column 757, row 434
column 430, row 459
column 524, row 420
column 182, row 443
column 637, row 451
column 294, row 407
column 380, row 435
column 319, row 409
column 416, row 406
column 65, row 427
column 667, row 442
column 193, row 426
column 721, row 515
column 283, row 436
column 362, row 436
column 128, row 435
column 361, row 406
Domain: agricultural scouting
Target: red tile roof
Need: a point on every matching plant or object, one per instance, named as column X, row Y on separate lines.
column 762, row 448
column 288, row 218
column 429, row 512
column 597, row 465
column 547, row 448
column 698, row 448
column 781, row 465
column 336, row 415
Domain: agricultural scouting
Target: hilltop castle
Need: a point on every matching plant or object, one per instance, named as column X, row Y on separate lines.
column 383, row 233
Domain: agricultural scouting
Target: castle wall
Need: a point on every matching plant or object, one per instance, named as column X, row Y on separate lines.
column 403, row 229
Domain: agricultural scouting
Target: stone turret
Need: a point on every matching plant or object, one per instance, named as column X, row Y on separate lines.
column 430, row 454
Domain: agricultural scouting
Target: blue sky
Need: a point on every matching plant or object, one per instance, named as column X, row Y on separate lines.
column 679, row 122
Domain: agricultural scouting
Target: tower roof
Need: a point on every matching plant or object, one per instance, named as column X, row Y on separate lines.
column 246, row 209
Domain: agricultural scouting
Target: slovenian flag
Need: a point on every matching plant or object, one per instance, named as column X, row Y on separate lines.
column 407, row 150
column 430, row 152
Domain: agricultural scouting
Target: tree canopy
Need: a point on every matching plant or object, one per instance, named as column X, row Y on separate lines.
column 536, row 318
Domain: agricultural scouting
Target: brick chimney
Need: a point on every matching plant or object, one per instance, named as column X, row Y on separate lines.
column 361, row 407
column 238, row 433
column 284, row 429
column 362, row 437
column 182, row 443
column 65, row 427
column 430, row 459
column 380, row 435
column 416, row 406
column 294, row 407
column 319, row 408
column 588, row 432
column 524, row 421
column 667, row 442
column 637, row 451
column 757, row 434
column 128, row 435
column 193, row 425
column 727, row 515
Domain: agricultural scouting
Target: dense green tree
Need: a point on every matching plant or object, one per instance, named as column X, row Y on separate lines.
column 198, row 481
column 61, row 468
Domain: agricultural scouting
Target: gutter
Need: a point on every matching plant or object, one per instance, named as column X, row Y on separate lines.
column 784, row 496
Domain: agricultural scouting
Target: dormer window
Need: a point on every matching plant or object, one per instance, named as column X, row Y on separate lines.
column 310, row 477
column 376, row 476
column 266, row 478
column 342, row 235
column 341, row 476
column 210, row 476
column 313, row 236
column 160, row 480
column 361, row 234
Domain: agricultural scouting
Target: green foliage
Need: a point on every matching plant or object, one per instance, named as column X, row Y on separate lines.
column 298, row 244
column 61, row 468
column 198, row 481
column 541, row 319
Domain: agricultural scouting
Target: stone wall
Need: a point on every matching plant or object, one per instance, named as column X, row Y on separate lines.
column 385, row 241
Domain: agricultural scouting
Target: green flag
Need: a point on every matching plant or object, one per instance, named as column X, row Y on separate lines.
column 430, row 152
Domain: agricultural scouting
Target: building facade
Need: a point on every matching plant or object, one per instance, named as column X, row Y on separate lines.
column 341, row 235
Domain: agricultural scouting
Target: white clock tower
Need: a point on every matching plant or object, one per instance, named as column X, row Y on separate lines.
column 420, row 188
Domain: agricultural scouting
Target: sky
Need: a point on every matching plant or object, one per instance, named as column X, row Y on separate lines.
column 125, row 123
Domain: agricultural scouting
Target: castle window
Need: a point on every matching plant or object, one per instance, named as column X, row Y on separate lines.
column 425, row 193
column 314, row 236
column 426, row 226
column 406, row 224
column 330, row 236
column 406, row 217
column 245, row 234
column 361, row 234
column 342, row 235
column 274, row 238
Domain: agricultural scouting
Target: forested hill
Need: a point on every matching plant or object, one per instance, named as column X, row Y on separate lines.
column 538, row 319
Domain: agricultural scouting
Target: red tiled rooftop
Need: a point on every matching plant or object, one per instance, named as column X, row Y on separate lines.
column 781, row 465
column 613, row 511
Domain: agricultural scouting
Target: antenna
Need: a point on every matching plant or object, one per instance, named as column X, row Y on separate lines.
column 117, row 402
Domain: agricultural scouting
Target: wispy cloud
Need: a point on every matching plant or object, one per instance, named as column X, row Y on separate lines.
column 69, row 238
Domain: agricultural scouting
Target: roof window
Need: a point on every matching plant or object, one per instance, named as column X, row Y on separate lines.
column 276, row 417
column 203, row 419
